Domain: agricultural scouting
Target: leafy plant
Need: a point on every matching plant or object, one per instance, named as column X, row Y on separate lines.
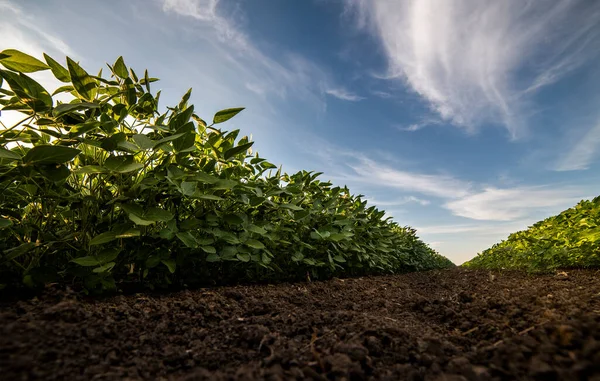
column 107, row 188
column 570, row 239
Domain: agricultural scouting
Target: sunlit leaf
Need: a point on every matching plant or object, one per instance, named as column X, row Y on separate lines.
column 84, row 85
column 28, row 91
column 225, row 115
column 120, row 68
column 18, row 61
column 58, row 70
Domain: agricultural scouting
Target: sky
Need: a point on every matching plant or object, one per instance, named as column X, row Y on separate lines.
column 465, row 119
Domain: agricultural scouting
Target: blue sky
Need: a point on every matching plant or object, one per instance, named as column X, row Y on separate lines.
column 467, row 120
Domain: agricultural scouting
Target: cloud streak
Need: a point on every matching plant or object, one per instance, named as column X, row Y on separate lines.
column 478, row 61
column 279, row 77
column 376, row 173
column 583, row 153
column 343, row 94
column 21, row 31
column 509, row 204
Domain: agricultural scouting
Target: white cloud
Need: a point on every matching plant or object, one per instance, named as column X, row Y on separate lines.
column 382, row 94
column 510, row 204
column 462, row 198
column 478, row 229
column 376, row 173
column 400, row 201
column 343, row 94
column 419, row 125
column 475, row 61
column 282, row 76
column 583, row 153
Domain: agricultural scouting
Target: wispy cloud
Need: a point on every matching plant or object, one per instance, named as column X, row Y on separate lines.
column 471, row 200
column 509, row 204
column 475, row 61
column 583, row 153
column 382, row 94
column 399, row 201
column 343, row 94
column 419, row 125
column 478, row 229
column 376, row 173
column 282, row 76
column 21, row 31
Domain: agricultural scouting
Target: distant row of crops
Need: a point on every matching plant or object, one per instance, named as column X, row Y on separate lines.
column 570, row 239
column 106, row 189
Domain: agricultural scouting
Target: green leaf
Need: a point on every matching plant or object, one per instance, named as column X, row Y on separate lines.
column 120, row 69
column 290, row 206
column 171, row 265
column 5, row 222
column 168, row 139
column 103, row 238
column 133, row 208
column 166, row 234
column 233, row 219
column 265, row 259
column 122, row 164
column 211, row 197
column 63, row 89
column 64, row 108
column 244, row 257
column 111, row 143
column 84, row 84
column 129, row 233
column 223, row 184
column 236, row 150
column 88, row 169
column 188, row 239
column 204, row 178
column 152, row 261
column 9, row 155
column 58, row 70
column 86, row 261
column 18, row 61
column 108, row 255
column 28, row 91
column 104, row 268
column 55, row 173
column 143, row 141
column 225, row 115
column 188, row 187
column 254, row 244
column 157, row 214
column 209, row 249
column 185, row 143
column 139, row 220
column 256, row 229
column 212, row 258
column 18, row 251
column 48, row 154
column 84, row 128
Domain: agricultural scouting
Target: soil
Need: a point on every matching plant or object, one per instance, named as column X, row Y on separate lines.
column 443, row 325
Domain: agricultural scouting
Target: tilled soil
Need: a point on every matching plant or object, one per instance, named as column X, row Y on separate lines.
column 444, row 325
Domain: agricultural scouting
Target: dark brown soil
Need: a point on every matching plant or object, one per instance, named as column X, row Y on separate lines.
column 446, row 325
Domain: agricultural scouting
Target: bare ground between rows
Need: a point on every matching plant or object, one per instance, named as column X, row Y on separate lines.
column 443, row 325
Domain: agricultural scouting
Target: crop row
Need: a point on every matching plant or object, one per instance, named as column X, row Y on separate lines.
column 570, row 239
column 106, row 189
